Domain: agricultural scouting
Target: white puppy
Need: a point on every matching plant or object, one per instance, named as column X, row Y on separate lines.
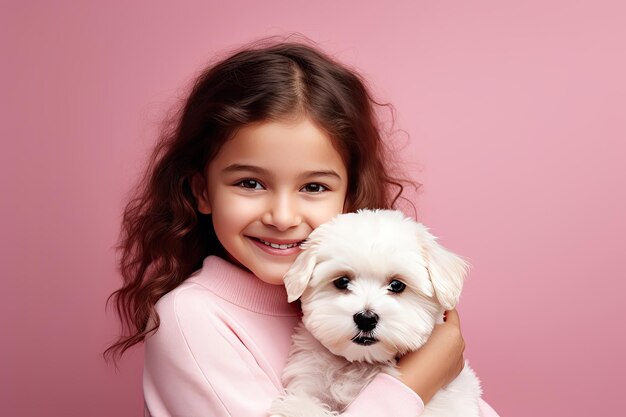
column 373, row 284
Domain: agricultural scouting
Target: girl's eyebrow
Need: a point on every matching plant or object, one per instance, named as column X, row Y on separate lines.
column 262, row 171
column 323, row 173
column 241, row 167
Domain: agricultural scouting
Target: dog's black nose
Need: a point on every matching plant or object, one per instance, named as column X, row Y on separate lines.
column 365, row 320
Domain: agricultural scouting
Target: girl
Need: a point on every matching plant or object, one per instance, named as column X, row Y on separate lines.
column 272, row 142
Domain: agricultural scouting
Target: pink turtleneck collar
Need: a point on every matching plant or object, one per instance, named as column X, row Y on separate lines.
column 242, row 288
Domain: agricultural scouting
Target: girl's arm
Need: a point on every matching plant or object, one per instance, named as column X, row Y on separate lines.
column 438, row 362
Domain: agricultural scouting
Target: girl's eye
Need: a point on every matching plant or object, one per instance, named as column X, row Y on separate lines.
column 314, row 188
column 251, row 184
column 396, row 286
column 342, row 283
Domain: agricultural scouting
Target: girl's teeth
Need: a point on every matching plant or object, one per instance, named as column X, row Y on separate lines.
column 277, row 246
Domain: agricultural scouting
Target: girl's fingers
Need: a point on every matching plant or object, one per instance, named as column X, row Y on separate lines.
column 452, row 317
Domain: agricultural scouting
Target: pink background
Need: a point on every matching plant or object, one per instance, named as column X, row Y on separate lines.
column 515, row 116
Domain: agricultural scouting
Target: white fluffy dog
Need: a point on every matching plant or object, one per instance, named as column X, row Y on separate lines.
column 373, row 284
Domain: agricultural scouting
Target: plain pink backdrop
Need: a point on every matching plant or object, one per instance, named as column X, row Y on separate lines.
column 512, row 116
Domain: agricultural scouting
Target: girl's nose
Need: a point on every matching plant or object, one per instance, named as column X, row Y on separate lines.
column 282, row 213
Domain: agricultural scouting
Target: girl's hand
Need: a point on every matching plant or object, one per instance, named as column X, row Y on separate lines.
column 436, row 363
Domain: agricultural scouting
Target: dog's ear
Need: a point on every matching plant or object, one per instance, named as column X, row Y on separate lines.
column 298, row 276
column 446, row 270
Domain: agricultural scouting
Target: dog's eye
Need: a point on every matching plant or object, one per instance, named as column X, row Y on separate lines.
column 342, row 282
column 396, row 286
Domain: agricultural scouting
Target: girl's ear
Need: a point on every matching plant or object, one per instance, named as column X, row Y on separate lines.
column 298, row 276
column 446, row 270
column 199, row 190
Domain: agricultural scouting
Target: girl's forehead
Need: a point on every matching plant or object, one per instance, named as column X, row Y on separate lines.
column 273, row 145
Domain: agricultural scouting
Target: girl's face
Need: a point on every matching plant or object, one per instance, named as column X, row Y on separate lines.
column 267, row 189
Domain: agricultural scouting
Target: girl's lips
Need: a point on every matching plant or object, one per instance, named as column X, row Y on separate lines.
column 277, row 251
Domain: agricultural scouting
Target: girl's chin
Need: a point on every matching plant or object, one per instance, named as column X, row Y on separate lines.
column 264, row 264
column 273, row 277
column 270, row 278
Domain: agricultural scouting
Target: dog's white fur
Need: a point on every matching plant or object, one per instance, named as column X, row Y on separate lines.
column 326, row 368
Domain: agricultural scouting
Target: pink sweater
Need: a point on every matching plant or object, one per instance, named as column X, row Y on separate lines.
column 222, row 345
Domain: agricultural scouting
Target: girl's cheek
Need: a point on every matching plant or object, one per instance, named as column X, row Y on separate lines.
column 328, row 213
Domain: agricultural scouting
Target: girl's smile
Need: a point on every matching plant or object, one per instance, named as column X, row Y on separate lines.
column 282, row 248
column 269, row 186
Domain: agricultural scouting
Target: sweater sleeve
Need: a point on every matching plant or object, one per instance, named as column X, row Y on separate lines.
column 392, row 398
column 385, row 396
column 486, row 410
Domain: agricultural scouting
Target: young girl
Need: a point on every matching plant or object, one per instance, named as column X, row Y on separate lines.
column 272, row 142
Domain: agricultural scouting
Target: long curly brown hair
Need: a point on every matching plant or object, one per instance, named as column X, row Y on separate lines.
column 164, row 238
